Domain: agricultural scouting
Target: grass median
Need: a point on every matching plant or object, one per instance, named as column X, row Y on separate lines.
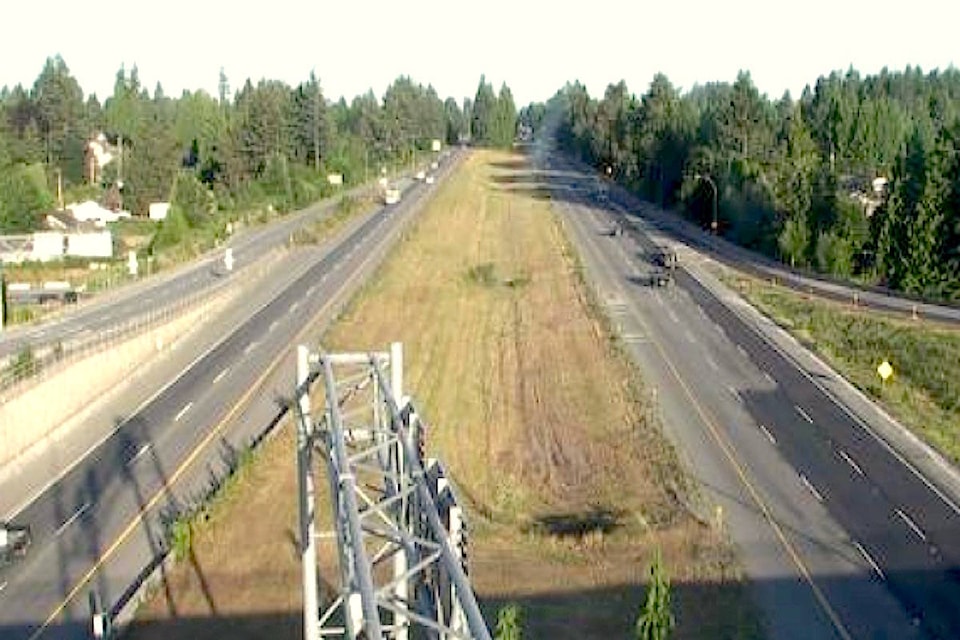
column 539, row 418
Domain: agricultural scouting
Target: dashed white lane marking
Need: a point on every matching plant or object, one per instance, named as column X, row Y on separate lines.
column 812, row 489
column 803, row 413
column 850, row 461
column 870, row 561
column 311, row 290
column 689, row 336
column 250, row 347
column 273, row 325
column 712, row 363
column 79, row 512
column 742, row 352
column 673, row 316
column 733, row 391
column 182, row 412
column 769, row 435
column 3, row 585
column 910, row 523
column 769, row 378
column 142, row 450
column 294, row 306
column 220, row 375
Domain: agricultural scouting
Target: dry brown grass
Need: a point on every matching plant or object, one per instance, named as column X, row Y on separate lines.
column 537, row 416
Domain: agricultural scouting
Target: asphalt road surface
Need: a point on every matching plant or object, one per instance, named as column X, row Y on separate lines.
column 128, row 303
column 99, row 527
column 763, row 267
column 841, row 535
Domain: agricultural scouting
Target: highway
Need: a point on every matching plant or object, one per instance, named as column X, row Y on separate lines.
column 98, row 528
column 842, row 535
column 130, row 302
column 763, row 267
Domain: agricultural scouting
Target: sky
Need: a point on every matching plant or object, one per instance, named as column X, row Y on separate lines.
column 533, row 46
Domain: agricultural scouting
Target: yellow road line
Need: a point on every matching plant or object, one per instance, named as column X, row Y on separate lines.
column 729, row 453
column 221, row 425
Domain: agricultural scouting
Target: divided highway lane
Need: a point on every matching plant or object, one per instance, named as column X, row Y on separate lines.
column 763, row 267
column 88, row 534
column 124, row 305
column 899, row 529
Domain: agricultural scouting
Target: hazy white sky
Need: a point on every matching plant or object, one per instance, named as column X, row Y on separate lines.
column 534, row 46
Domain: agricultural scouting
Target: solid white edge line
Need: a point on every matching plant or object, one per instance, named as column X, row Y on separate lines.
column 803, row 413
column 910, row 523
column 870, row 561
column 850, row 461
column 769, row 435
column 860, row 422
column 809, row 485
column 182, row 412
column 77, row 514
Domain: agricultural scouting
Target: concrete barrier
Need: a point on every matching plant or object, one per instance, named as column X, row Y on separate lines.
column 37, row 412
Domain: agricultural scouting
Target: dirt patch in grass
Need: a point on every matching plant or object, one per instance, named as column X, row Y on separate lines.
column 538, row 417
column 923, row 393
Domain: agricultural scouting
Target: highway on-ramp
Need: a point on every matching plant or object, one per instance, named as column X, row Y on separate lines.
column 99, row 527
column 842, row 535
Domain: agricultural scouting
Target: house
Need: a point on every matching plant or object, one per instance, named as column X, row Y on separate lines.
column 91, row 211
column 60, row 221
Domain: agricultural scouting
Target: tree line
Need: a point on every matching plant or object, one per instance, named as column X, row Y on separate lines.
column 268, row 142
column 859, row 177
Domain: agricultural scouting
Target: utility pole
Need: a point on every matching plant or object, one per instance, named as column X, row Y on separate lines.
column 316, row 123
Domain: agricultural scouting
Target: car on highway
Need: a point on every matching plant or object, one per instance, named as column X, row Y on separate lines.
column 664, row 261
column 421, row 175
column 429, row 179
column 391, row 195
column 14, row 542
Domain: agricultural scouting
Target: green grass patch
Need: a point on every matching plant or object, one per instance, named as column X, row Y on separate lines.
column 924, row 391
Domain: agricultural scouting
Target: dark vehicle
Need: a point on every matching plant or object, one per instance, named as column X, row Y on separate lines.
column 14, row 542
column 664, row 260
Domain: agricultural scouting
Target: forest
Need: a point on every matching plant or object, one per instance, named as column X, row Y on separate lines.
column 265, row 143
column 858, row 178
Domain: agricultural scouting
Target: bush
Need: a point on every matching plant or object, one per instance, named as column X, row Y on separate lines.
column 509, row 623
column 656, row 620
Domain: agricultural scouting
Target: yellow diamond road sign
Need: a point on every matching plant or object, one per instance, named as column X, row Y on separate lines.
column 885, row 370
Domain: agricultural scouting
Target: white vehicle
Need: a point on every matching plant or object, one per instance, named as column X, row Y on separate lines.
column 14, row 542
column 421, row 175
column 391, row 196
column 430, row 179
column 434, row 166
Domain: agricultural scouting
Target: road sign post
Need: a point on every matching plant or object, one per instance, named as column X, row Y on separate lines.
column 885, row 370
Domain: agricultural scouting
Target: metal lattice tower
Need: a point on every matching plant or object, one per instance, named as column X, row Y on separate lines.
column 400, row 534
